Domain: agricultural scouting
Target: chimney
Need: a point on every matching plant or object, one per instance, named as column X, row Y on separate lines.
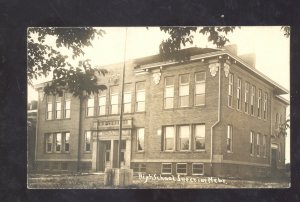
column 232, row 48
column 249, row 58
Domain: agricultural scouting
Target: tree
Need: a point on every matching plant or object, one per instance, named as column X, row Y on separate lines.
column 44, row 59
column 179, row 37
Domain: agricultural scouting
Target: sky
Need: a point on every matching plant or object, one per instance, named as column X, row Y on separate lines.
column 271, row 47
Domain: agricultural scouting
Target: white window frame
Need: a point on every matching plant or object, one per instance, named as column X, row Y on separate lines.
column 185, row 168
column 49, row 114
column 258, row 149
column 184, row 85
column 127, row 93
column 230, row 89
column 195, row 137
column 252, row 143
column 202, row 164
column 246, row 107
column 49, row 142
column 90, row 141
column 239, row 94
column 58, row 107
column 55, row 142
column 252, row 100
column 259, row 99
column 138, row 102
column 90, row 100
column 229, row 138
column 138, row 130
column 189, row 137
column 67, row 99
column 166, row 96
column 111, row 95
column 162, row 165
column 165, row 137
column 199, row 83
column 102, row 106
column 265, row 107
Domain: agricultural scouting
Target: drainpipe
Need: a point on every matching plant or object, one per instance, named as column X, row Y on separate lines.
column 219, row 115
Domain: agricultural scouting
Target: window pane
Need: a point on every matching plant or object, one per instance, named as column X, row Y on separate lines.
column 58, row 106
column 102, row 101
column 90, row 102
column 49, row 140
column 140, row 139
column 200, row 76
column 200, row 137
column 58, row 142
column 67, row 141
column 67, row 104
column 198, row 168
column 140, row 96
column 200, row 100
column 184, row 101
column 169, row 103
column 184, row 90
column 169, row 92
column 169, row 138
column 114, row 99
column 114, row 109
column 49, row 107
column 127, row 97
column 88, row 141
column 181, row 168
column 200, row 88
column 184, row 79
column 167, row 168
column 184, row 134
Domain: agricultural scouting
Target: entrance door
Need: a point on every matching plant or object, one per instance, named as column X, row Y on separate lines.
column 274, row 159
column 104, row 155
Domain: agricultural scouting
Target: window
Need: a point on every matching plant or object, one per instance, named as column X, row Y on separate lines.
column 166, row 168
column 90, row 106
column 58, row 107
column 87, row 141
column 140, row 96
column 61, row 142
column 264, row 146
column 229, row 138
column 139, row 168
column 197, row 168
column 230, row 89
column 57, row 147
column 107, row 151
column 123, row 148
column 246, row 97
column 169, row 135
column 252, row 100
column 239, row 94
column 251, row 143
column 259, row 103
column 49, row 142
column 184, row 137
column 200, row 137
column 140, row 139
column 49, row 107
column 67, row 106
column 257, row 144
column 199, row 88
column 169, row 93
column 265, row 105
column 184, row 90
column 66, row 140
column 181, row 168
column 127, row 98
column 102, row 103
column 114, row 100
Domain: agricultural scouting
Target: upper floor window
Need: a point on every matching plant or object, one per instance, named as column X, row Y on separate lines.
column 169, row 137
column 67, row 105
column 230, row 89
column 140, row 96
column 140, row 139
column 114, row 99
column 200, row 137
column 58, row 141
column 199, row 88
column 184, row 137
column 239, row 94
column 246, row 97
column 229, row 138
column 265, row 105
column 184, row 82
column 251, row 143
column 58, row 100
column 66, row 141
column 87, row 141
column 90, row 106
column 259, row 103
column 127, row 98
column 49, row 113
column 169, row 93
column 252, row 100
column 102, row 103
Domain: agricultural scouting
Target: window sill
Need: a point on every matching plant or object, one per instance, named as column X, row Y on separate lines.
column 230, row 107
column 229, row 152
column 198, row 174
column 58, row 119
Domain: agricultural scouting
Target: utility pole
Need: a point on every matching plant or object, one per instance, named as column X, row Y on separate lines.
column 121, row 107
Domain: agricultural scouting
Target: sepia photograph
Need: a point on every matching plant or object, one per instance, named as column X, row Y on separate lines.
column 179, row 107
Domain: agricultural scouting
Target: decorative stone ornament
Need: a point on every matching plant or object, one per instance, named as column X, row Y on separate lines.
column 213, row 69
column 226, row 69
column 156, row 77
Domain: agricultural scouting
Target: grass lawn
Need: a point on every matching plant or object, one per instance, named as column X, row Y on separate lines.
column 95, row 181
